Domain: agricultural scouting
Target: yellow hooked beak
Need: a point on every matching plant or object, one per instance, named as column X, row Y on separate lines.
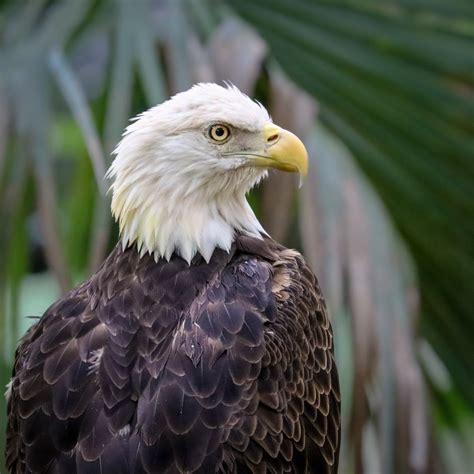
column 283, row 150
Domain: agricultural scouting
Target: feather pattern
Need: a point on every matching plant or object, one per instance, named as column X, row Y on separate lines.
column 170, row 367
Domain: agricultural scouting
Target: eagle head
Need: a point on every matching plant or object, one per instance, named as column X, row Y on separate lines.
column 183, row 168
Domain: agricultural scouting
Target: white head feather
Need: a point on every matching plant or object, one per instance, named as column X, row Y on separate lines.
column 173, row 190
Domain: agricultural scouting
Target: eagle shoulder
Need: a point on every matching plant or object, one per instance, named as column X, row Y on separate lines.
column 296, row 424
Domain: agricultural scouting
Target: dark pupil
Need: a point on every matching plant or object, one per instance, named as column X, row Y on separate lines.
column 220, row 131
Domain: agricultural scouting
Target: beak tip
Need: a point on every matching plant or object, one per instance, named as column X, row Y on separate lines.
column 301, row 180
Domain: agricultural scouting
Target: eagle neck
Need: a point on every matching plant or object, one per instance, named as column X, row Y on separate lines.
column 189, row 226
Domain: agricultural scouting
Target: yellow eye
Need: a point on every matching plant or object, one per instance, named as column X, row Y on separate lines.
column 219, row 132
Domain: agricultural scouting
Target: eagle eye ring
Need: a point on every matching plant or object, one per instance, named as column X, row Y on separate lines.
column 219, row 132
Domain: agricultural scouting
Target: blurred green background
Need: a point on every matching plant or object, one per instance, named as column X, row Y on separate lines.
column 382, row 93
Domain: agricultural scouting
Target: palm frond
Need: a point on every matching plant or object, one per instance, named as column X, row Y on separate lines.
column 405, row 109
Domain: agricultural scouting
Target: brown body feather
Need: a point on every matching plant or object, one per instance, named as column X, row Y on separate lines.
column 168, row 367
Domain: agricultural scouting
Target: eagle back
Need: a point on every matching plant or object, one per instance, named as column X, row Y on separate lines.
column 168, row 367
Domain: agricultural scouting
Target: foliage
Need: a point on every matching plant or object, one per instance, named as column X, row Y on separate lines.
column 395, row 82
column 383, row 217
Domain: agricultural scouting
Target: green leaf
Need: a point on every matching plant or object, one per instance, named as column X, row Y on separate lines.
column 75, row 97
column 394, row 82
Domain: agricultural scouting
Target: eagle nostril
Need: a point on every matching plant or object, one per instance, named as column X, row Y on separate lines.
column 272, row 138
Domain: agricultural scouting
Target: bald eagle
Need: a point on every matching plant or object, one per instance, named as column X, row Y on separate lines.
column 200, row 345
